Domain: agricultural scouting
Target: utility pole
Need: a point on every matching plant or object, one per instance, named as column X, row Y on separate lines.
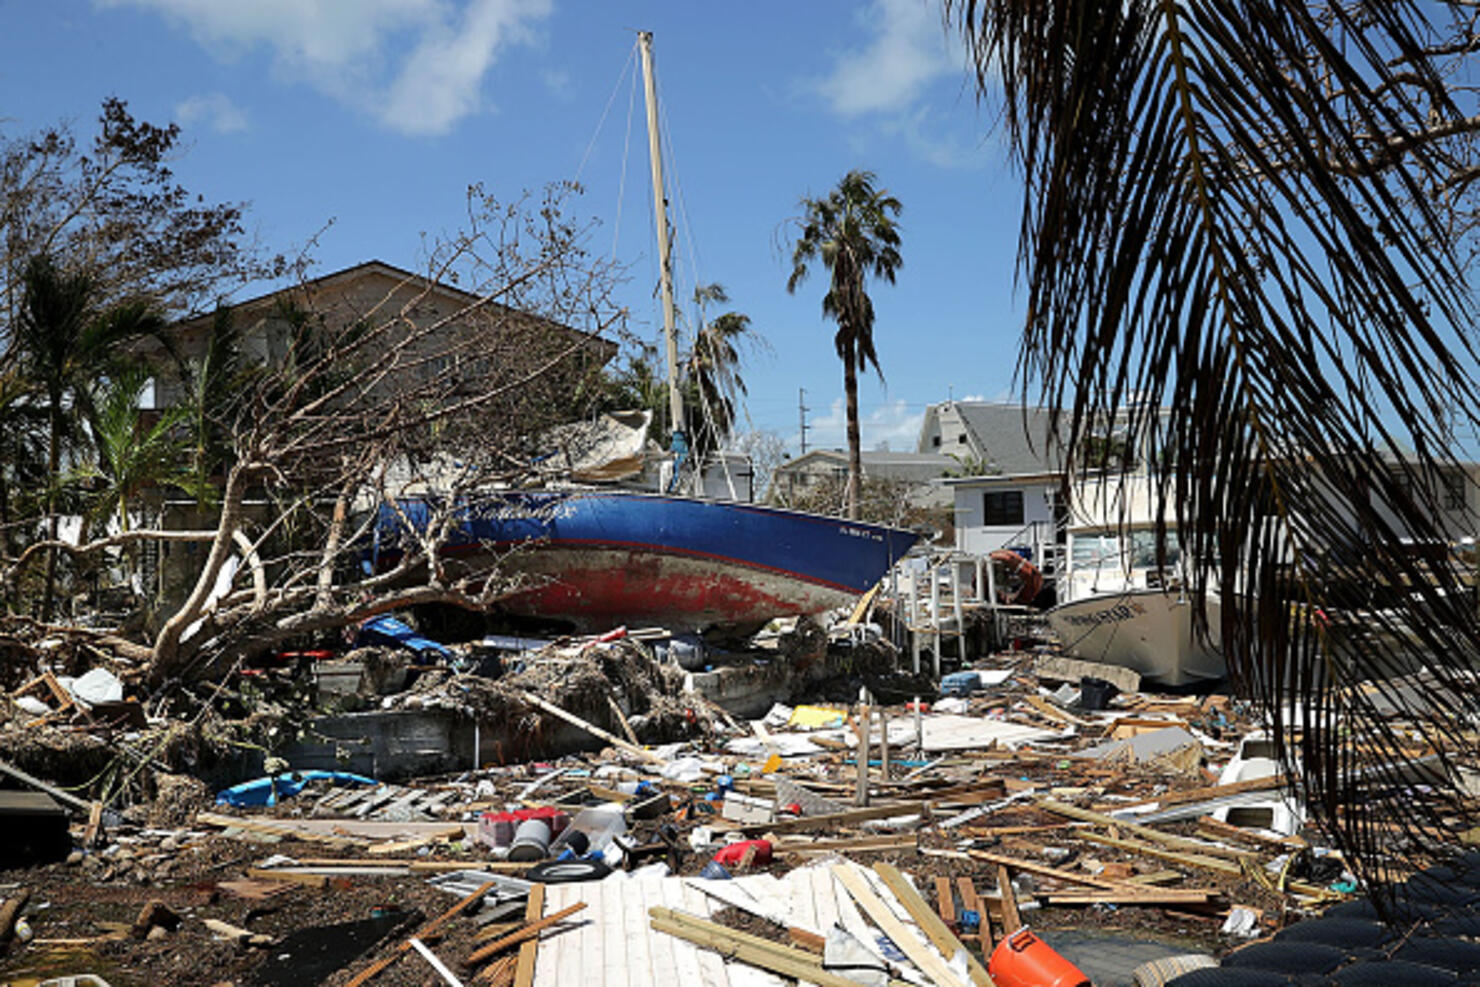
column 802, row 416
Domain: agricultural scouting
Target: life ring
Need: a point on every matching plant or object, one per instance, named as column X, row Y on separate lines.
column 1029, row 579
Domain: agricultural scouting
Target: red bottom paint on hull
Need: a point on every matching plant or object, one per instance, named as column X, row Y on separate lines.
column 597, row 589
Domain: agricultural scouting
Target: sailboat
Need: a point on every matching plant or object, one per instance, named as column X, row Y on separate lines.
column 608, row 557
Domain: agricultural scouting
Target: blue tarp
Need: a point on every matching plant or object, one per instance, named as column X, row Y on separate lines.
column 389, row 630
column 260, row 791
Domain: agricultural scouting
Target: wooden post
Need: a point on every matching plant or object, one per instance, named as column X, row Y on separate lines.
column 958, row 613
column 935, row 621
column 860, row 795
column 912, row 621
column 884, row 745
column 1011, row 922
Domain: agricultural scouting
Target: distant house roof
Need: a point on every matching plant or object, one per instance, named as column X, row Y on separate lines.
column 881, row 461
column 397, row 275
column 1005, row 437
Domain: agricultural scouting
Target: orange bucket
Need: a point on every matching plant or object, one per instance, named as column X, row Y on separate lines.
column 1024, row 960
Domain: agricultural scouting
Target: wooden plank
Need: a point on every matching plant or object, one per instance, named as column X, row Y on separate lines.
column 622, row 719
column 529, row 951
column 945, row 900
column 1057, row 669
column 970, row 901
column 374, row 969
column 1011, row 921
column 1051, row 711
column 764, row 953
column 1149, row 898
column 924, row 957
column 897, row 841
column 1145, row 832
column 1069, row 877
column 1217, row 829
column 1209, row 793
column 450, row 833
column 940, row 936
column 595, row 731
column 837, row 820
column 294, row 877
column 529, row 931
column 1213, row 864
column 275, row 829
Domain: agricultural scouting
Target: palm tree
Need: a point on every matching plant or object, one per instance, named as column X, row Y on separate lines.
column 712, row 371
column 852, row 231
column 64, row 345
column 1229, row 213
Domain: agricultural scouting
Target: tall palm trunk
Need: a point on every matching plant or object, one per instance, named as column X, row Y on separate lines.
column 53, row 471
column 855, row 455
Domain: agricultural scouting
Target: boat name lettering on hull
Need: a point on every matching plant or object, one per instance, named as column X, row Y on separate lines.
column 844, row 529
column 1112, row 615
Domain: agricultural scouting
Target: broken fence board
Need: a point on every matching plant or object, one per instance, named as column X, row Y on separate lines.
column 922, row 955
column 940, row 936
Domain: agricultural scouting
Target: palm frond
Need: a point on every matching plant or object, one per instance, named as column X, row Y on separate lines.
column 1214, row 257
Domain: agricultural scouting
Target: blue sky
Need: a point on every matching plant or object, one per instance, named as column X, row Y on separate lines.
column 375, row 115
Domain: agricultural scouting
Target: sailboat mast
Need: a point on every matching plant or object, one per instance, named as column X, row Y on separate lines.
column 665, row 253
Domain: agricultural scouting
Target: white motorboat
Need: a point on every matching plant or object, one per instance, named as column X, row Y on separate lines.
column 1121, row 608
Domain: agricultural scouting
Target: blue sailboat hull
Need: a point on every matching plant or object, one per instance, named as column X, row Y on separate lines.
column 606, row 558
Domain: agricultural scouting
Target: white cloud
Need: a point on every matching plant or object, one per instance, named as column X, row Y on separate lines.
column 416, row 65
column 215, row 110
column 892, row 422
column 909, row 50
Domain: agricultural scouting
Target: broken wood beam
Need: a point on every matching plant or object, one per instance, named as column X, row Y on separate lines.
column 529, row 951
column 839, row 819
column 752, row 950
column 1209, row 793
column 1145, row 832
column 1011, row 920
column 1069, row 877
column 939, row 934
column 970, row 901
column 591, row 728
column 923, row 956
column 276, row 829
column 530, row 931
column 376, row 968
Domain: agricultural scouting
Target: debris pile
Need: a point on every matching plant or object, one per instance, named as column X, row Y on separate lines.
column 598, row 813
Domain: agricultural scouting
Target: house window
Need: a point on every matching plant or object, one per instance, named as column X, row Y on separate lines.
column 1003, row 507
column 935, row 440
column 961, row 439
column 1454, row 491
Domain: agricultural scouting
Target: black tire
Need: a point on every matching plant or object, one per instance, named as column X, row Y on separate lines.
column 1454, row 955
column 1347, row 933
column 567, row 871
column 1287, row 957
column 1224, row 977
column 1392, row 973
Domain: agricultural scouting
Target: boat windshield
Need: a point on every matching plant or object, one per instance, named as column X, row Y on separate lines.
column 1143, row 549
column 1102, row 549
column 1096, row 549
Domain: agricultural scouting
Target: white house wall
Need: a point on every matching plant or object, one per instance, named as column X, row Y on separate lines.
column 975, row 536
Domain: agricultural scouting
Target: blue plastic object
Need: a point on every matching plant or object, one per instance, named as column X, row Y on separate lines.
column 715, row 871
column 267, row 791
column 960, row 684
column 389, row 630
column 971, row 921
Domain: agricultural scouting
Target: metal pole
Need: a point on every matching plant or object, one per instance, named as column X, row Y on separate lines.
column 665, row 253
column 860, row 795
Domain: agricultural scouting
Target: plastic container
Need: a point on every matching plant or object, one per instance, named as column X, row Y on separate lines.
column 531, row 841
column 1024, row 960
column 733, row 854
column 598, row 825
column 1095, row 694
